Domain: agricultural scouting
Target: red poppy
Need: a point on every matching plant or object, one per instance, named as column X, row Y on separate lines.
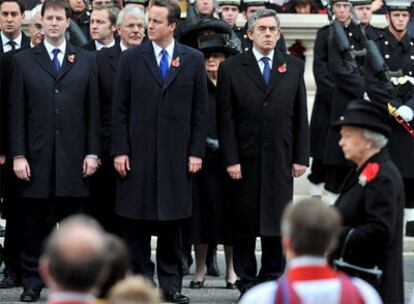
column 282, row 68
column 175, row 63
column 369, row 173
column 71, row 58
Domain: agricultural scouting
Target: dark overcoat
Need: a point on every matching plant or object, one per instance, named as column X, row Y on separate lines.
column 54, row 120
column 25, row 40
column 325, row 85
column 398, row 55
column 159, row 125
column 265, row 129
column 375, row 211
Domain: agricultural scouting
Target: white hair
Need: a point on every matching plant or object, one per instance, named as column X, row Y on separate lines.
column 36, row 10
column 133, row 11
column 380, row 141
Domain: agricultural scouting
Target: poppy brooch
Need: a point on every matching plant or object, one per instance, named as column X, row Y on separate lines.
column 282, row 68
column 369, row 173
column 71, row 58
column 175, row 62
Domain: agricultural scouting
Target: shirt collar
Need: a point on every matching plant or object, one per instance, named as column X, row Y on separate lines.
column 50, row 48
column 259, row 55
column 169, row 49
column 18, row 40
column 307, row 260
column 123, row 47
column 99, row 45
column 68, row 295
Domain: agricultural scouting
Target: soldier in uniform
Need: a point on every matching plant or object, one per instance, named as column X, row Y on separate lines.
column 397, row 47
column 229, row 11
column 320, row 172
column 249, row 7
column 349, row 85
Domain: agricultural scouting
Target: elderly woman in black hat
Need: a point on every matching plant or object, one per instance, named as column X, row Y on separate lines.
column 371, row 201
column 209, row 224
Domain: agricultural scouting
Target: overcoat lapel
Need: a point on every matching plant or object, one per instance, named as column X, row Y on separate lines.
column 69, row 60
column 114, row 56
column 149, row 58
column 251, row 67
column 179, row 57
column 43, row 59
column 276, row 75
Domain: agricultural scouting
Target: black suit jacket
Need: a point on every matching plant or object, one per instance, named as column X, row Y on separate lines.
column 159, row 124
column 54, row 120
column 265, row 129
column 5, row 78
column 107, row 62
column 25, row 40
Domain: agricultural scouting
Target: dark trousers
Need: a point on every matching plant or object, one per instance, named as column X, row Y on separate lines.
column 101, row 203
column 12, row 212
column 169, row 252
column 245, row 264
column 39, row 217
column 318, row 171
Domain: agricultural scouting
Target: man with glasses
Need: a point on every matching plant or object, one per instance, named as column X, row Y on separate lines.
column 263, row 132
column 158, row 140
column 131, row 27
column 102, row 28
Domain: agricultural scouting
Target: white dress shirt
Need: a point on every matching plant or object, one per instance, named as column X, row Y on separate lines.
column 50, row 48
column 158, row 54
column 99, row 46
column 259, row 56
column 7, row 47
column 123, row 47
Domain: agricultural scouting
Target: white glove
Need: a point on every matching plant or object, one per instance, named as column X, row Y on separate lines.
column 406, row 113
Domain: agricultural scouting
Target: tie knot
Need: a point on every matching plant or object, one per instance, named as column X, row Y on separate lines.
column 11, row 43
column 265, row 60
column 164, row 52
column 55, row 52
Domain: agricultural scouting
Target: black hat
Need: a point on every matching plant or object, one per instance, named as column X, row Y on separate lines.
column 366, row 115
column 217, row 43
column 189, row 37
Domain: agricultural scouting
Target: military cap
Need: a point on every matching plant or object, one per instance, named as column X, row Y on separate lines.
column 246, row 3
column 228, row 2
column 142, row 2
column 398, row 5
column 366, row 115
column 360, row 2
column 335, row 1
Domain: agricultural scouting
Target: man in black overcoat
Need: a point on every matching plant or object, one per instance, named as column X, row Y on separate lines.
column 158, row 140
column 11, row 210
column 54, row 134
column 263, row 130
column 101, row 205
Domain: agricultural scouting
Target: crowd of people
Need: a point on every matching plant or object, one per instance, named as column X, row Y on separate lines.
column 193, row 130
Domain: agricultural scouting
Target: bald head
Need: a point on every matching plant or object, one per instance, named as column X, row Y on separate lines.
column 74, row 254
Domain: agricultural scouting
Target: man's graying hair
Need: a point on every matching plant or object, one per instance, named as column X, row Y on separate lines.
column 262, row 14
column 132, row 11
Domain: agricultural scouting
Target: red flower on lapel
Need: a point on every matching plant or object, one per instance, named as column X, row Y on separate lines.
column 175, row 62
column 71, row 58
column 369, row 173
column 282, row 68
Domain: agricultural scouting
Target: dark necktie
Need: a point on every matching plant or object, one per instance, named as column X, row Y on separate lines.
column 266, row 69
column 164, row 64
column 55, row 60
column 12, row 44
